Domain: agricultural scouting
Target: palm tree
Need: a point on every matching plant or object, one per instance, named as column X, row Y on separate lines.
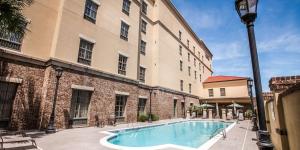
column 11, row 18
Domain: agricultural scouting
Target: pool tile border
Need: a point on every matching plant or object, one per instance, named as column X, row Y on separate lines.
column 205, row 146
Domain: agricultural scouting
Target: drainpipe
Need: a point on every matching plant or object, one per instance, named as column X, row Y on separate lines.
column 184, row 113
column 150, row 113
column 139, row 42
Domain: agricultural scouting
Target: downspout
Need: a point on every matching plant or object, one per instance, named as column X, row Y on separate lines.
column 139, row 42
column 150, row 109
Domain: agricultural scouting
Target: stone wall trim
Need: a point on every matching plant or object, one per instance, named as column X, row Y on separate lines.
column 143, row 97
column 122, row 93
column 13, row 80
column 81, row 87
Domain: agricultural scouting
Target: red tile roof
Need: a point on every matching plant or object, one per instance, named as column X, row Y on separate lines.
column 223, row 78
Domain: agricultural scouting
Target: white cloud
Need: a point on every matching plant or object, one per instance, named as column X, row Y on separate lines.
column 288, row 42
column 225, row 51
column 202, row 19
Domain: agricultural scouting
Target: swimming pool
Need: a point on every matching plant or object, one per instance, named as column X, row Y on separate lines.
column 187, row 134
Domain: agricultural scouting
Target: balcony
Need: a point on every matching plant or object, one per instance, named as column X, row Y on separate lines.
column 11, row 41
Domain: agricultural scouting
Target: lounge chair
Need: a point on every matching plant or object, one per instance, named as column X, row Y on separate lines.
column 15, row 137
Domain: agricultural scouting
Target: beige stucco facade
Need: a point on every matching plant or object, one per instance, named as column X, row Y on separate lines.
column 235, row 91
column 56, row 27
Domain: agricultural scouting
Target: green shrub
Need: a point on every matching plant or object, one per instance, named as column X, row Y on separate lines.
column 154, row 117
column 143, row 117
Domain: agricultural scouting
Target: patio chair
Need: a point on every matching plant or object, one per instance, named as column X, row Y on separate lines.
column 111, row 120
column 15, row 137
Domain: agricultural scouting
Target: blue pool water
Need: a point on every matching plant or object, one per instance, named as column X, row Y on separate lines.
column 190, row 133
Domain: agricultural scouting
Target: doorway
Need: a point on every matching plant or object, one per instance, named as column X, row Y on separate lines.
column 7, row 95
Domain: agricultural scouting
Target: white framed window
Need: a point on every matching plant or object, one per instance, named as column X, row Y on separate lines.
column 142, row 74
column 144, row 7
column 181, row 65
column 122, row 64
column 144, row 26
column 143, row 47
column 211, row 92
column 85, row 52
column 124, row 31
column 181, row 85
column 90, row 12
column 180, row 50
column 126, row 6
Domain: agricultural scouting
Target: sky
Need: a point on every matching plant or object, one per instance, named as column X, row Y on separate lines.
column 277, row 31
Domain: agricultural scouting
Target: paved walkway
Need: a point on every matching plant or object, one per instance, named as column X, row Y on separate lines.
column 238, row 138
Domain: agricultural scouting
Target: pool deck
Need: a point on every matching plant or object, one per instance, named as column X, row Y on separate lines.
column 238, row 138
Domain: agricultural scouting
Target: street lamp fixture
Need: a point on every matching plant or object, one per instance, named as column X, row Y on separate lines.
column 51, row 127
column 254, row 118
column 247, row 10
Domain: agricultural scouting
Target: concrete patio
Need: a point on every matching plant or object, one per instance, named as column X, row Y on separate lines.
column 238, row 138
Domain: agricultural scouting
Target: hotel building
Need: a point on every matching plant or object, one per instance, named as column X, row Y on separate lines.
column 117, row 56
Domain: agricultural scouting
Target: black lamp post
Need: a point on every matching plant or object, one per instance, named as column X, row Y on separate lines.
column 254, row 118
column 51, row 126
column 247, row 10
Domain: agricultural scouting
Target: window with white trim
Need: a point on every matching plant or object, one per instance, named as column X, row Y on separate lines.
column 190, row 88
column 142, row 74
column 181, row 85
column 144, row 7
column 180, row 50
column 85, row 52
column 124, row 31
column 126, row 6
column 90, row 12
column 143, row 47
column 144, row 26
column 181, row 65
column 120, row 106
column 122, row 64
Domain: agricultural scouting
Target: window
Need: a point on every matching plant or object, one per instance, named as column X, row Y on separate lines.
column 181, row 85
column 222, row 91
column 120, row 106
column 195, row 74
column 8, row 91
column 203, row 68
column 143, row 47
column 144, row 7
column 202, row 58
column 199, row 55
column 188, row 43
column 141, row 106
column 90, row 11
column 79, row 106
column 189, row 71
column 211, row 92
column 179, row 35
column 85, row 52
column 195, row 62
column 180, row 50
column 189, row 57
column 194, row 49
column 122, row 65
column 144, row 26
column 124, row 30
column 181, row 64
column 11, row 40
column 126, row 6
column 142, row 74
column 200, row 77
column 190, row 88
column 199, row 66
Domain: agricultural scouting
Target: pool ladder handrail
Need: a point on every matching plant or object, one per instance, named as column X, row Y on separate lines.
column 223, row 132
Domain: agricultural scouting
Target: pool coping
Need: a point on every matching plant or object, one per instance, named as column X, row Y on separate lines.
column 104, row 141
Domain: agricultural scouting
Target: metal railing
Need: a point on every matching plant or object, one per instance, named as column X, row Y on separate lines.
column 11, row 40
